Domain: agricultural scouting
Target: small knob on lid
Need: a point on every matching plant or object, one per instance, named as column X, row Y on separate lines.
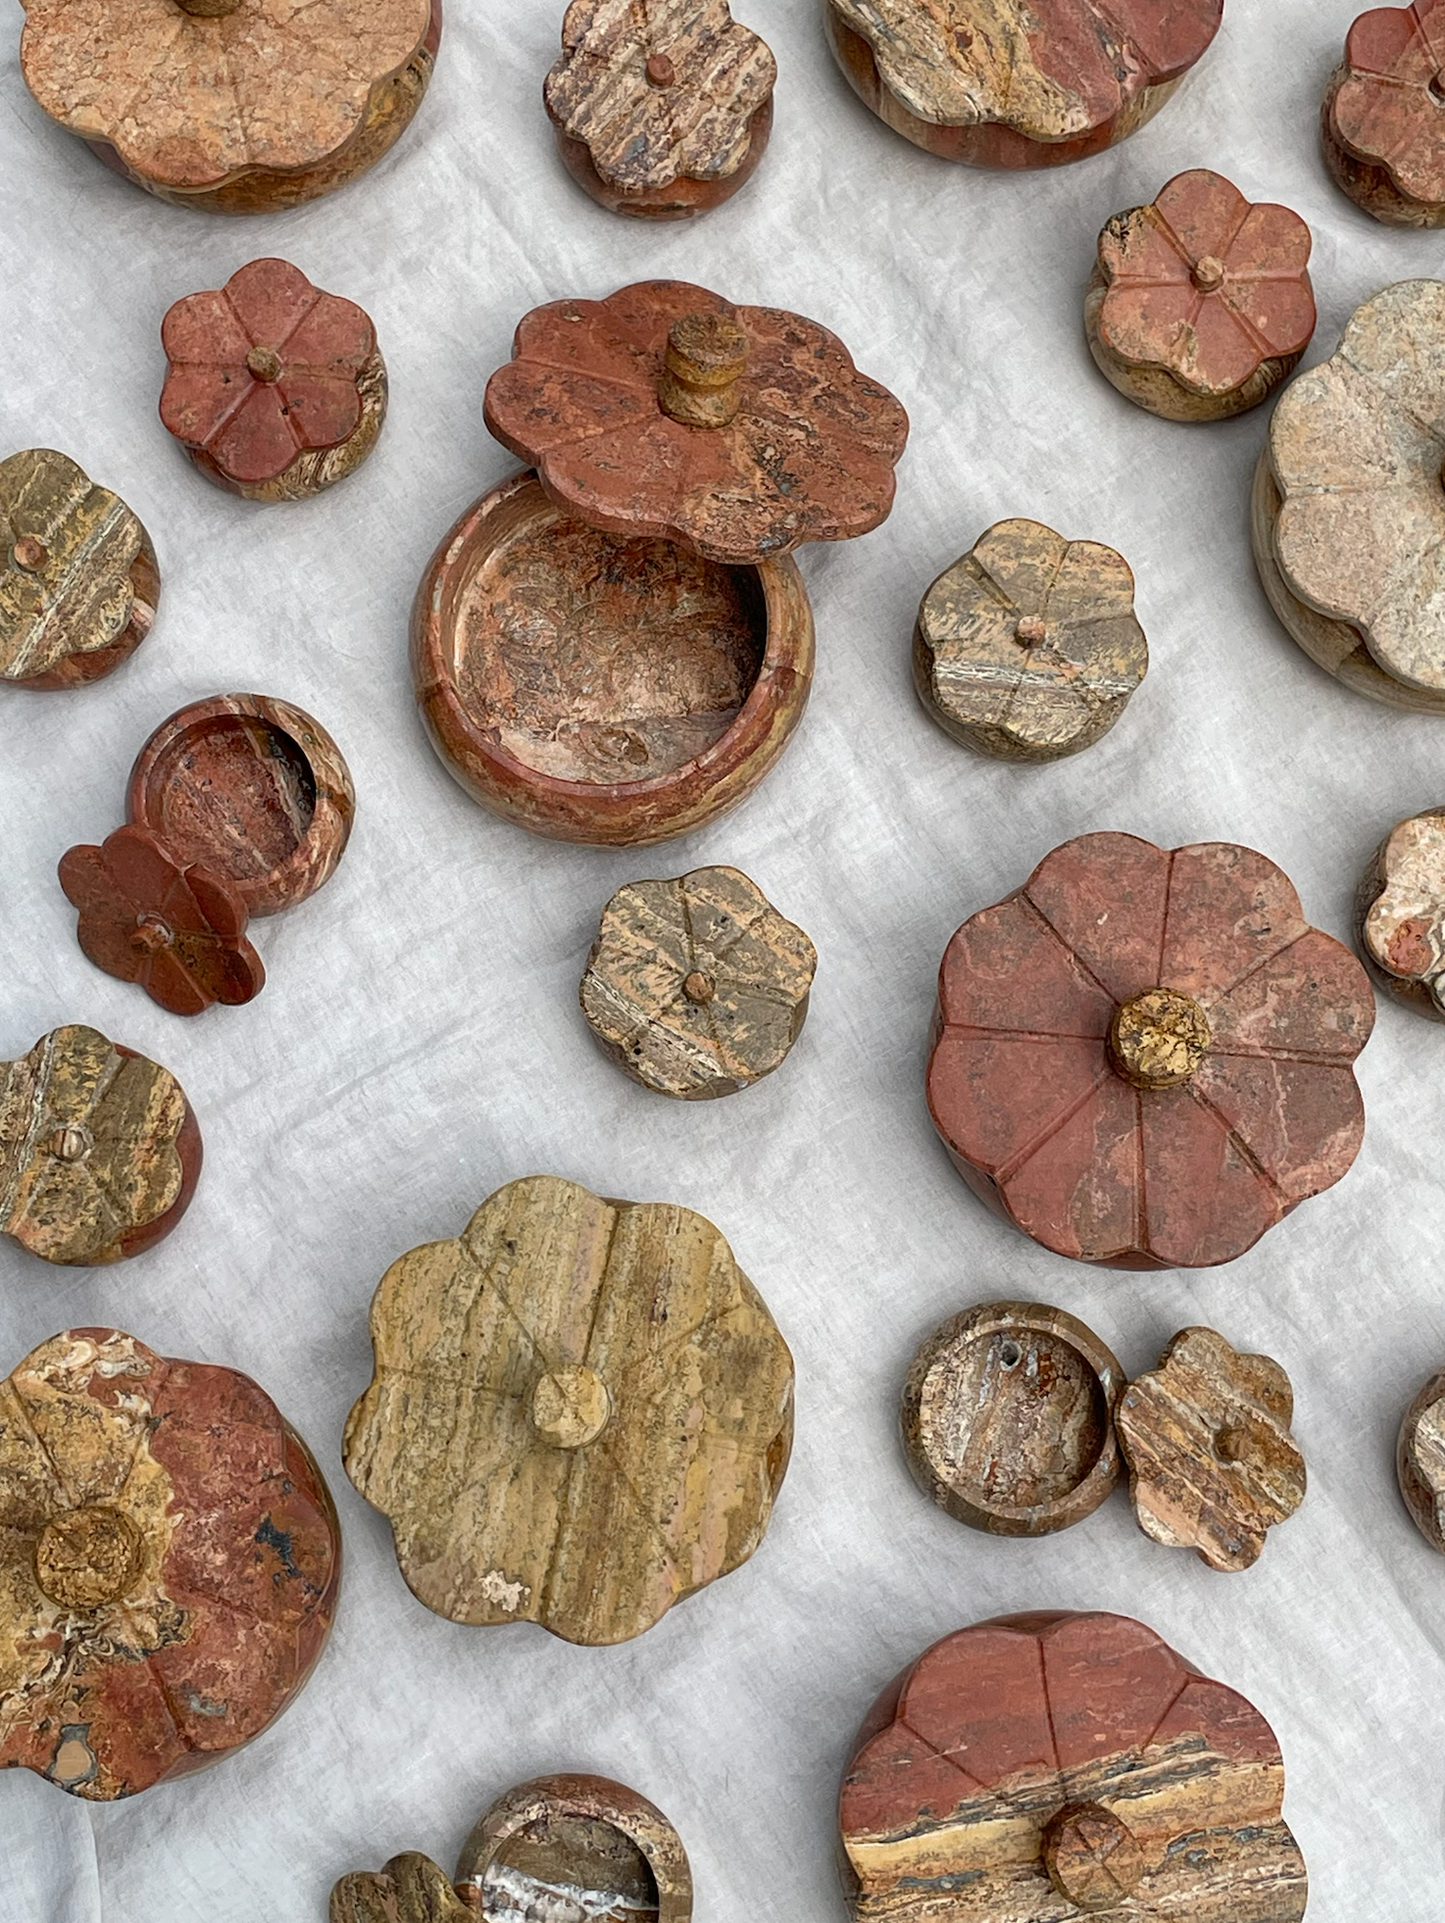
column 707, row 355
column 660, row 71
column 571, row 1406
column 1209, row 274
column 1032, row 631
column 1092, row 1857
column 264, row 363
column 30, row 554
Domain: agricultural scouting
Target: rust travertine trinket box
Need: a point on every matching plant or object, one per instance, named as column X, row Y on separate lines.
column 237, row 806
column 560, row 1847
column 640, row 1418
column 169, row 1564
column 1144, row 1058
column 1349, row 503
column 1201, row 304
column 100, row 1151
column 1038, row 1767
column 79, row 581
column 1008, row 1419
column 1028, row 648
column 697, row 987
column 617, row 647
column 662, row 107
column 1018, row 83
column 275, row 389
column 1400, row 909
column 1383, row 123
column 234, row 106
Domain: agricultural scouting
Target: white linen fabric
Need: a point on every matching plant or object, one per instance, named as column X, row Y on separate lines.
column 419, row 1042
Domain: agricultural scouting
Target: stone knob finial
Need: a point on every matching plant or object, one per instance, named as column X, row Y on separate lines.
column 1209, row 274
column 1032, row 631
column 1159, row 1039
column 707, row 355
column 1092, row 1857
column 264, row 363
column 571, row 1406
column 30, row 554
column 86, row 1558
column 660, row 71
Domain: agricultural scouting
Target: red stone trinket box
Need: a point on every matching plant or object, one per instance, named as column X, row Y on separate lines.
column 1036, row 1767
column 276, row 390
column 662, row 109
column 1018, row 83
column 1383, row 123
column 237, row 806
column 169, row 1564
column 563, row 1847
column 1144, row 1058
column 617, row 647
column 233, row 106
column 1201, row 304
column 100, row 1151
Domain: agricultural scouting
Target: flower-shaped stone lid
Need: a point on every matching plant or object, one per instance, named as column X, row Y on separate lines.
column 1037, row 1758
column 1389, row 106
column 169, row 1562
column 1212, row 1464
column 1144, row 1058
column 146, row 917
column 740, row 432
column 1205, row 284
column 99, row 1150
column 659, row 89
column 193, row 92
column 1356, row 447
column 264, row 370
column 1052, row 70
column 639, row 1422
column 1029, row 646
column 1403, row 910
column 67, row 548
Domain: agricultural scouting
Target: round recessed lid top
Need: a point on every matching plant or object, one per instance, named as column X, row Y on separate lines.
column 1008, row 1419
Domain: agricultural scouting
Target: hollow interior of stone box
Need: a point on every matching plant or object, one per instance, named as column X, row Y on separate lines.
column 235, row 794
column 601, row 659
column 1027, row 1419
column 569, row 1866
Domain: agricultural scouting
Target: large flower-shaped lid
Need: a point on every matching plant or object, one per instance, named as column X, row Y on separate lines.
column 1389, row 105
column 67, row 548
column 146, row 917
column 1144, row 1058
column 1205, row 284
column 169, row 1561
column 1357, row 448
column 657, row 90
column 1051, row 70
column 1049, row 1765
column 638, row 1402
column 263, row 370
column 740, row 432
column 192, row 92
column 99, row 1150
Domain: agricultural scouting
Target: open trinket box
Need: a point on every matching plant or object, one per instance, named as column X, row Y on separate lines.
column 617, row 647
column 237, row 806
column 234, row 106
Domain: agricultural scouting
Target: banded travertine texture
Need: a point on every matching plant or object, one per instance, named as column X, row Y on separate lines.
column 78, row 575
column 1420, row 1460
column 1400, row 908
column 581, row 1413
column 411, row 1889
column 1023, row 1767
column 697, row 987
column 657, row 90
column 1028, row 648
column 91, row 1147
column 1212, row 1463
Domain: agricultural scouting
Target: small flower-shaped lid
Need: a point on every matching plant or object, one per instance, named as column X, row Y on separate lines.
column 640, row 1406
column 1212, row 1464
column 740, row 432
column 1403, row 920
column 193, row 92
column 1037, row 1758
column 1029, row 648
column 169, row 1561
column 99, row 1150
column 67, row 548
column 1357, row 448
column 660, row 90
column 1052, row 70
column 264, row 370
column 178, row 932
column 1206, row 285
column 1145, row 1058
column 1389, row 106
